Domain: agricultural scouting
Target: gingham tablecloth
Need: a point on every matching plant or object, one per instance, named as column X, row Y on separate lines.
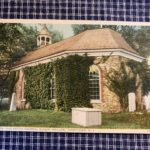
column 111, row 10
column 107, row 10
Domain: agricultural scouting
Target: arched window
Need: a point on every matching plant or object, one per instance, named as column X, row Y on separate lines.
column 94, row 83
column 43, row 41
column 43, row 38
column 47, row 39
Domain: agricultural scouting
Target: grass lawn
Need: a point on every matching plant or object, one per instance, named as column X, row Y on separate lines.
column 53, row 119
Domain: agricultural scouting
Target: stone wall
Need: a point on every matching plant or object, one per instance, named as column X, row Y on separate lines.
column 139, row 94
column 109, row 101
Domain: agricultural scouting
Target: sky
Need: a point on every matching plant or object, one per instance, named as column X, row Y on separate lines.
column 66, row 29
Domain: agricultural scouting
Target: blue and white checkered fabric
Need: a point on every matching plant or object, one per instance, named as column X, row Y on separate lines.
column 111, row 10
column 108, row 10
column 72, row 141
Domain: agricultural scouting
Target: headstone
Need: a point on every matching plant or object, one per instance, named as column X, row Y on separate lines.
column 13, row 103
column 146, row 102
column 131, row 102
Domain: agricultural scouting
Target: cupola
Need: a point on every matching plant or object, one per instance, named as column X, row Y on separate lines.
column 44, row 37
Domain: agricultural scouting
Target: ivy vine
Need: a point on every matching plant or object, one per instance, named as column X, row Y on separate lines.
column 70, row 83
column 37, row 83
column 72, row 89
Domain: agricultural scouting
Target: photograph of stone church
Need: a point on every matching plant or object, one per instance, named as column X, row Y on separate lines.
column 98, row 67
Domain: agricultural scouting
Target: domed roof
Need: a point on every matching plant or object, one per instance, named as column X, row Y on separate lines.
column 44, row 31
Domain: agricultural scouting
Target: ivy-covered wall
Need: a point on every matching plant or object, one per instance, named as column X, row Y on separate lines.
column 70, row 82
column 37, row 85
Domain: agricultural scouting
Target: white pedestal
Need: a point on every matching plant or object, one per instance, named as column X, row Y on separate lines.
column 86, row 116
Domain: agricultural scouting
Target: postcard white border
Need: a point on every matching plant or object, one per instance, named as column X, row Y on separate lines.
column 74, row 130
column 53, row 21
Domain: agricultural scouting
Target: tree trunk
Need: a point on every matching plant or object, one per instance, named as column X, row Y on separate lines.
column 139, row 94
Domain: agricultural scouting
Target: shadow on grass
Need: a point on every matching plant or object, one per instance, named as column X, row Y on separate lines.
column 4, row 106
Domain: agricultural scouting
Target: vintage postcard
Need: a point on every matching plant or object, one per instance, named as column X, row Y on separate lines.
column 74, row 76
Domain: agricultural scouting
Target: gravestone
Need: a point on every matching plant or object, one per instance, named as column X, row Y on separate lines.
column 13, row 103
column 131, row 102
column 147, row 101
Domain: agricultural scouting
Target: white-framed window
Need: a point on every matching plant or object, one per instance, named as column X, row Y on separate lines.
column 94, row 84
column 52, row 96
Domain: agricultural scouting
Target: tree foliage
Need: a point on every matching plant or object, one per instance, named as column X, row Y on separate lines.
column 37, row 87
column 80, row 28
column 137, row 37
column 143, row 70
column 14, row 42
column 56, row 35
column 29, row 41
column 13, row 78
column 125, row 80
column 72, row 89
column 122, row 82
column 70, row 83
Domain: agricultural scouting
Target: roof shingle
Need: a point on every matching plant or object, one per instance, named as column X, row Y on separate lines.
column 96, row 39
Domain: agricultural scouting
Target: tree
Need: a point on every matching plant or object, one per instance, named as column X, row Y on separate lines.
column 121, row 82
column 14, row 39
column 142, row 40
column 29, row 41
column 143, row 70
column 139, row 39
column 56, row 36
column 124, row 81
column 80, row 28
